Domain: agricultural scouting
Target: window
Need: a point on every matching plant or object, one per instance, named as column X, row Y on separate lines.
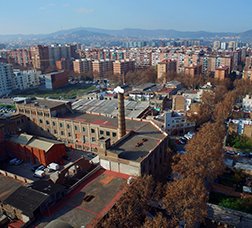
column 107, row 133
column 61, row 124
column 92, row 130
column 76, row 128
column 47, row 122
column 69, row 134
column 84, row 139
column 114, row 134
column 55, row 132
column 62, row 132
column 53, row 123
column 93, row 139
column 68, row 126
column 83, row 129
column 101, row 132
column 40, row 121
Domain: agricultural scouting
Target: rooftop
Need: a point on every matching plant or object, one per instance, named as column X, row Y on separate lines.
column 26, row 200
column 33, row 141
column 173, row 83
column 43, row 103
column 47, row 187
column 103, row 121
column 136, row 146
column 144, row 87
column 109, row 107
column 126, row 148
column 86, row 205
column 8, row 186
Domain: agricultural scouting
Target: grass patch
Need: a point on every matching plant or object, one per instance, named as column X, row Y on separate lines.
column 68, row 92
column 239, row 142
column 8, row 106
column 244, row 205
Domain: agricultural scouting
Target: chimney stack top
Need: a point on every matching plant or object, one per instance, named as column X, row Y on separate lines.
column 119, row 89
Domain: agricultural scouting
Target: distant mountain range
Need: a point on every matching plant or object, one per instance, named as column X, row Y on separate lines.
column 83, row 34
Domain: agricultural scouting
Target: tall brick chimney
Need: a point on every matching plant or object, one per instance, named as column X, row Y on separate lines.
column 121, row 112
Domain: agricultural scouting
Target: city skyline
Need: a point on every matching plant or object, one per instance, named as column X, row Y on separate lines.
column 38, row 17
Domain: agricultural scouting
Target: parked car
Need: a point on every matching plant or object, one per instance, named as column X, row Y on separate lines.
column 241, row 154
column 53, row 166
column 181, row 151
column 34, row 167
column 229, row 152
column 13, row 161
column 39, row 173
column 41, row 167
column 182, row 142
column 18, row 162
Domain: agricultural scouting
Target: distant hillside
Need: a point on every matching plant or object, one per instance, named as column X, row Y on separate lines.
column 159, row 33
column 94, row 34
column 246, row 36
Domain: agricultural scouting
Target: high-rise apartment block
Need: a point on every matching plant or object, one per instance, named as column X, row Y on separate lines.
column 26, row 79
column 81, row 66
column 193, row 70
column 122, row 67
column 221, row 72
column 6, row 79
column 101, row 68
column 166, row 68
column 58, row 52
column 21, row 57
column 40, row 57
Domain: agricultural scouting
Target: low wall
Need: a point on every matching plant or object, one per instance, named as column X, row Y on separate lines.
column 84, row 178
column 15, row 177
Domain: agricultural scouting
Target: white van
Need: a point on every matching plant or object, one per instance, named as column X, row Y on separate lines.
column 53, row 166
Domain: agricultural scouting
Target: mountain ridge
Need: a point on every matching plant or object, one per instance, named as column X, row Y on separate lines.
column 80, row 33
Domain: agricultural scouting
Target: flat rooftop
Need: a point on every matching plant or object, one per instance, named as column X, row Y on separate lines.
column 43, row 103
column 8, row 186
column 89, row 202
column 135, row 147
column 25, row 199
column 109, row 107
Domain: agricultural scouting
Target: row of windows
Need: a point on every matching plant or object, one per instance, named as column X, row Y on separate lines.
column 76, row 128
column 102, row 132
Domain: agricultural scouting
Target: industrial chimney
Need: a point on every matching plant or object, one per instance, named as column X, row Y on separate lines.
column 121, row 112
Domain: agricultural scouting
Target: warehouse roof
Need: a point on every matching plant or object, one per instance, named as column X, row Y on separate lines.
column 109, row 107
column 27, row 200
column 33, row 141
column 43, row 103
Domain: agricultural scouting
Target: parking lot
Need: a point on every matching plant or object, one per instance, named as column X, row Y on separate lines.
column 180, row 142
column 24, row 170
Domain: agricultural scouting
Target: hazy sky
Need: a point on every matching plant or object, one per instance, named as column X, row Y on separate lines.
column 44, row 16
